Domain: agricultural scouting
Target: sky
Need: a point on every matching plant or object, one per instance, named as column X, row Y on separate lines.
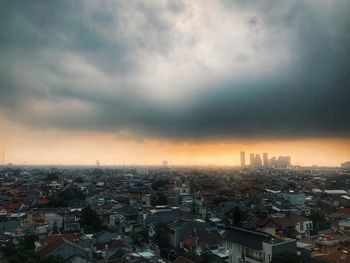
column 187, row 81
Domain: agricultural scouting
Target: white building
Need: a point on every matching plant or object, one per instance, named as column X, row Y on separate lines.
column 246, row 246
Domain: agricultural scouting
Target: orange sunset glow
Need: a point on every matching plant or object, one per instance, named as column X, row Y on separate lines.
column 188, row 82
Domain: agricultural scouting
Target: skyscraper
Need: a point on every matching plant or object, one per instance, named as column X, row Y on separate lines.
column 265, row 159
column 242, row 159
column 258, row 161
column 252, row 159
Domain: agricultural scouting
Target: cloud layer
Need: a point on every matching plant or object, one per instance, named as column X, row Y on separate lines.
column 179, row 70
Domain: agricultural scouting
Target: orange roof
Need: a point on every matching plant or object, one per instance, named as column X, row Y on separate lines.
column 12, row 206
column 17, row 192
column 43, row 201
column 50, row 240
column 135, row 196
column 187, row 241
column 345, row 211
column 4, row 188
column 342, row 255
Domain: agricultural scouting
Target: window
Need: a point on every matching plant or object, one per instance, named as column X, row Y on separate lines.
column 301, row 226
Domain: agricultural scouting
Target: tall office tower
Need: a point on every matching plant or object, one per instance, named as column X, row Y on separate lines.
column 252, row 160
column 242, row 159
column 258, row 161
column 273, row 161
column 283, row 161
column 265, row 159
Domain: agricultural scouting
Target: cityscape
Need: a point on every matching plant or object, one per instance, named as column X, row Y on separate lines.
column 255, row 160
column 174, row 131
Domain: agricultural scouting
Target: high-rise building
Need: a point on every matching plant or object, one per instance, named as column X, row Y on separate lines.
column 345, row 165
column 242, row 159
column 284, row 161
column 258, row 161
column 281, row 161
column 252, row 160
column 265, row 159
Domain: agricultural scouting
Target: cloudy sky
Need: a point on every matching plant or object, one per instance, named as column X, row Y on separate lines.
column 183, row 80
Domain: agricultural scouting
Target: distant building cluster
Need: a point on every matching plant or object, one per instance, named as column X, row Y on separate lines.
column 256, row 161
column 345, row 165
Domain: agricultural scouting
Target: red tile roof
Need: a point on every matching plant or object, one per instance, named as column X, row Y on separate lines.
column 10, row 207
column 341, row 256
column 345, row 211
column 49, row 240
column 288, row 221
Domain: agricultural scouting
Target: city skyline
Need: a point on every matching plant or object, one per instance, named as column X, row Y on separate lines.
column 187, row 81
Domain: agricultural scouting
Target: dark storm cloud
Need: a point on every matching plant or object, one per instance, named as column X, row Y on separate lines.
column 238, row 69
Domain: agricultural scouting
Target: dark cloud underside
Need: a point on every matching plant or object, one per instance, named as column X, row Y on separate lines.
column 175, row 70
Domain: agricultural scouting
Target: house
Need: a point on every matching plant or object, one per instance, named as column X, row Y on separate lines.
column 202, row 239
column 54, row 222
column 77, row 204
column 13, row 207
column 9, row 225
column 68, row 250
column 105, row 236
column 344, row 201
column 160, row 214
column 193, row 235
column 125, row 220
column 116, row 256
column 71, row 223
column 253, row 246
column 51, row 239
column 295, row 226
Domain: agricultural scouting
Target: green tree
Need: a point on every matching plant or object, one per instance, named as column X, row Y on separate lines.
column 28, row 241
column 90, row 221
column 236, row 217
column 319, row 221
column 51, row 177
column 161, row 235
column 24, row 254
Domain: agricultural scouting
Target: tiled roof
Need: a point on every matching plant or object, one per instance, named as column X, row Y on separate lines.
column 287, row 221
column 48, row 250
column 341, row 256
column 49, row 240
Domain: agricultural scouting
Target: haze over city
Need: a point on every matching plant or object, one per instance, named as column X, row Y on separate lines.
column 190, row 82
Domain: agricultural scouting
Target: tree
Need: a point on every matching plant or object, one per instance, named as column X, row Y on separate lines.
column 319, row 221
column 159, row 183
column 159, row 199
column 61, row 199
column 236, row 217
column 51, row 177
column 24, row 253
column 161, row 235
column 90, row 221
column 28, row 241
